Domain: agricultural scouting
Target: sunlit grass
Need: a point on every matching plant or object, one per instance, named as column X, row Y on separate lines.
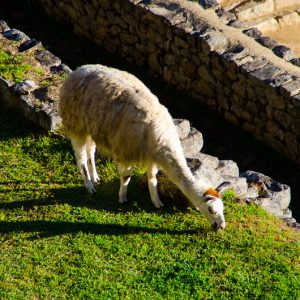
column 57, row 241
column 12, row 67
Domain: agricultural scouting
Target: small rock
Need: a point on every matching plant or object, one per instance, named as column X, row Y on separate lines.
column 209, row 160
column 253, row 32
column 271, row 206
column 47, row 58
column 28, row 107
column 237, row 24
column 287, row 214
column 203, row 172
column 228, row 167
column 266, row 42
column 5, row 82
column 15, row 35
column 60, row 69
column 266, row 73
column 252, row 192
column 280, row 80
column 183, row 127
column 209, row 3
column 193, row 143
column 283, row 52
column 226, row 16
column 237, row 184
column 3, row 26
column 293, row 223
column 295, row 61
column 23, row 88
column 279, row 193
column 169, row 190
column 215, row 41
column 291, row 89
column 32, row 44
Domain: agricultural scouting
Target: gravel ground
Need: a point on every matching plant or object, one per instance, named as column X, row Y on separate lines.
column 221, row 139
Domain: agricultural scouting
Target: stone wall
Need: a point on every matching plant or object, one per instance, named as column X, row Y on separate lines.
column 39, row 104
column 195, row 56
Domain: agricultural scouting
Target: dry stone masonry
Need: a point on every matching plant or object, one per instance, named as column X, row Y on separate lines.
column 30, row 99
column 250, row 186
column 195, row 55
column 270, row 22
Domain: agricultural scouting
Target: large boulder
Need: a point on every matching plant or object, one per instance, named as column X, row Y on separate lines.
column 191, row 139
column 193, row 143
column 273, row 196
column 228, row 168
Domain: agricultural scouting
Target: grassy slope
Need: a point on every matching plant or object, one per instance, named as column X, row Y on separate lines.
column 58, row 242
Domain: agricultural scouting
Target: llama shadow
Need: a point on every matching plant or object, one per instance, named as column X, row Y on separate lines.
column 46, row 228
column 14, row 124
column 104, row 200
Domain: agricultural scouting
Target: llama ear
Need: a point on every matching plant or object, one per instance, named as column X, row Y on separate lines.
column 222, row 186
column 211, row 192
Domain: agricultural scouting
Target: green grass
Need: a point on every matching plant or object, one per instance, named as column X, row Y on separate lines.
column 58, row 242
column 12, row 67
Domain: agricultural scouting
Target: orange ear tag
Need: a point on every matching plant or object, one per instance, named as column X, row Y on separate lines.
column 212, row 192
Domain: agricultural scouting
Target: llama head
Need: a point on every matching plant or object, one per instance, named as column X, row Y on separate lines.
column 213, row 209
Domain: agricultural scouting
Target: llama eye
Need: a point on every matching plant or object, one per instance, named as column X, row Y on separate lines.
column 208, row 198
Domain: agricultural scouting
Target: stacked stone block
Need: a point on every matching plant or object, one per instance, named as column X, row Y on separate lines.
column 250, row 186
column 197, row 58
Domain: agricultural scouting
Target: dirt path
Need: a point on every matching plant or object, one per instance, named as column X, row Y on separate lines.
column 236, row 34
column 287, row 35
column 220, row 138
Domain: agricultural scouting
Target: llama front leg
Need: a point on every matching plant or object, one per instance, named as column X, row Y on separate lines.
column 125, row 175
column 79, row 146
column 91, row 150
column 152, row 184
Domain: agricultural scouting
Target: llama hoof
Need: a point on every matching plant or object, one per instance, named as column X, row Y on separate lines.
column 122, row 200
column 96, row 179
column 159, row 204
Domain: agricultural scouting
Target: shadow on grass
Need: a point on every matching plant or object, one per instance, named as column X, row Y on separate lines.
column 14, row 125
column 104, row 200
column 52, row 228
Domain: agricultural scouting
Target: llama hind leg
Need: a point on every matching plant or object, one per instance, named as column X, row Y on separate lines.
column 125, row 175
column 152, row 184
column 91, row 149
column 79, row 145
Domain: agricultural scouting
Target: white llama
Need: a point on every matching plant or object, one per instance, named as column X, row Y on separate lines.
column 114, row 110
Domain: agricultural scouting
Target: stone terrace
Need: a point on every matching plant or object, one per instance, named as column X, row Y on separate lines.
column 197, row 52
column 250, row 185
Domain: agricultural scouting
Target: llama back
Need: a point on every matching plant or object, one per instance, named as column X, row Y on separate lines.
column 119, row 112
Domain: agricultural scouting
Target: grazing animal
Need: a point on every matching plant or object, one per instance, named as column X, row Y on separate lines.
column 115, row 111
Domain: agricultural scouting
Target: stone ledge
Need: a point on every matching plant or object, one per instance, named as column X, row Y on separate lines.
column 188, row 51
column 27, row 96
column 215, row 174
column 256, row 17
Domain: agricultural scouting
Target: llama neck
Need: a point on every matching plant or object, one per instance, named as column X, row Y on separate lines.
column 180, row 174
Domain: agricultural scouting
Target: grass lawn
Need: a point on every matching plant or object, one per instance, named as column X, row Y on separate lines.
column 58, row 242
